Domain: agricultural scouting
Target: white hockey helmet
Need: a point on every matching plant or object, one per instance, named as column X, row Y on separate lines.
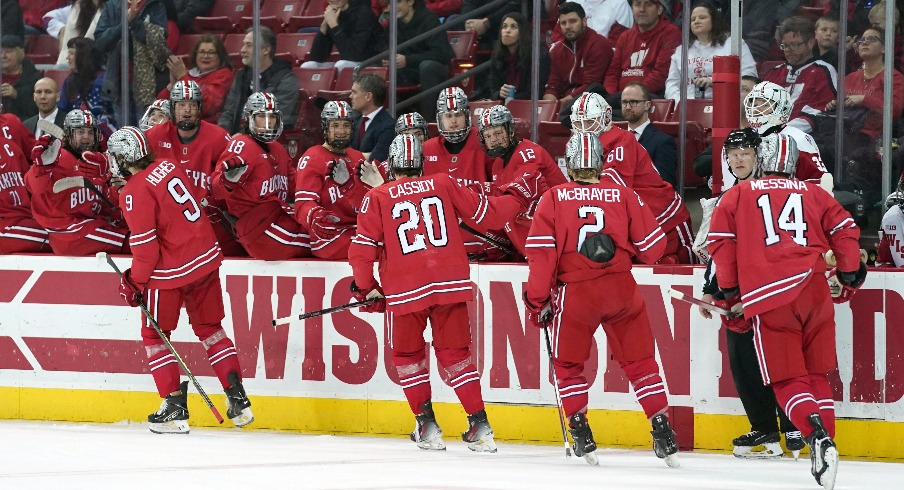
column 151, row 117
column 766, row 106
column 125, row 147
column 778, row 154
column 591, row 107
column 406, row 152
column 452, row 100
column 411, row 120
column 336, row 110
column 584, row 150
column 264, row 103
column 896, row 198
column 498, row 115
column 186, row 91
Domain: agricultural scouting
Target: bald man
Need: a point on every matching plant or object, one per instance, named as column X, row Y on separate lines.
column 46, row 96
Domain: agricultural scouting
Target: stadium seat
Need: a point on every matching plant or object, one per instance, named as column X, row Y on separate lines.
column 695, row 143
column 699, row 110
column 464, row 45
column 546, row 109
column 233, row 43
column 58, row 76
column 311, row 16
column 224, row 16
column 43, row 44
column 313, row 80
column 343, row 86
column 276, row 14
column 187, row 43
column 478, row 106
column 553, row 137
column 662, row 109
column 769, row 65
column 295, row 44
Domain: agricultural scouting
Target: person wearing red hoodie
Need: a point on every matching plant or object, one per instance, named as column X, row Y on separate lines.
column 579, row 60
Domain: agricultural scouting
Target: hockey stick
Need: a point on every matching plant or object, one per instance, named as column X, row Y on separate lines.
column 230, row 222
column 702, row 304
column 67, row 183
column 216, row 413
column 558, row 398
column 492, row 241
column 324, row 311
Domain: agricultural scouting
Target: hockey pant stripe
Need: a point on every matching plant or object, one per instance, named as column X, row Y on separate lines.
column 464, row 379
column 223, row 354
column 758, row 348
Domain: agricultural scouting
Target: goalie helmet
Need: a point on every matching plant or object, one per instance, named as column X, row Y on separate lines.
column 186, row 91
column 336, row 110
column 406, row 152
column 80, row 118
column 767, row 106
column 125, row 147
column 412, row 120
column 896, row 198
column 453, row 100
column 778, row 154
column 584, row 150
column 152, row 115
column 595, row 113
column 262, row 103
column 498, row 115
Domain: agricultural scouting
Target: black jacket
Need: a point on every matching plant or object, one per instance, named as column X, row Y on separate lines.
column 187, row 10
column 499, row 72
column 436, row 47
column 23, row 104
column 357, row 37
column 663, row 151
column 377, row 137
column 278, row 80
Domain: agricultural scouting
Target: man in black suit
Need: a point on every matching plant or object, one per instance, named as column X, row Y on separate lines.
column 663, row 151
column 46, row 96
column 372, row 133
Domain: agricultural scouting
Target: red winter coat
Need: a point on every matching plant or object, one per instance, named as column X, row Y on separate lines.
column 575, row 66
column 643, row 57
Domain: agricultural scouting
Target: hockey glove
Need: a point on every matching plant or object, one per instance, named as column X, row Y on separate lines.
column 129, row 291
column 322, row 224
column 45, row 151
column 526, row 188
column 235, row 169
column 850, row 282
column 730, row 299
column 538, row 315
column 370, row 174
column 378, row 306
column 96, row 163
column 338, row 171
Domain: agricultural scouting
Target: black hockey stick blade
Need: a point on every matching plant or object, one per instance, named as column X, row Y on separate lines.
column 325, row 311
column 492, row 241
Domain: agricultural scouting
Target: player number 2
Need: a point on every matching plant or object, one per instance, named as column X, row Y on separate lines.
column 790, row 219
column 598, row 224
column 431, row 208
column 181, row 195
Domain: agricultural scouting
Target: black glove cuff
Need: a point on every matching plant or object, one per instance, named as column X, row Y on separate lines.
column 729, row 293
column 853, row 279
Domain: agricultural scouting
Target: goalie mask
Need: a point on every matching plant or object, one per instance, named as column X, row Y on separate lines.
column 157, row 113
column 412, row 123
column 738, row 139
column 767, row 106
column 406, row 153
column 125, row 147
column 185, row 91
column 584, row 150
column 453, row 101
column 80, row 129
column 262, row 119
column 591, row 113
column 896, row 198
column 778, row 154
column 339, row 134
column 496, row 130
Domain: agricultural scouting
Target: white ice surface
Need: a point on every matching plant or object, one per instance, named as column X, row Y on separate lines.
column 64, row 456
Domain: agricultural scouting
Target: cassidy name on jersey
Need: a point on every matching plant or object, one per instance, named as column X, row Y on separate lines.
column 409, row 188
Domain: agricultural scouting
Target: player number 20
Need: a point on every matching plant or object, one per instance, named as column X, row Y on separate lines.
column 181, row 195
column 596, row 226
column 790, row 219
column 431, row 208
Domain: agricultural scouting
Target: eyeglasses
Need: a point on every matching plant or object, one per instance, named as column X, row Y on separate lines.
column 868, row 40
column 631, row 103
column 207, row 53
column 789, row 46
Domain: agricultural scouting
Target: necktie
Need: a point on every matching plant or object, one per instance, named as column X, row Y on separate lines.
column 635, row 133
column 362, row 129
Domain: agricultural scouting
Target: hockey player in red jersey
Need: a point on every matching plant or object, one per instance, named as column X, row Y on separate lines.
column 628, row 163
column 81, row 220
column 570, row 245
column 254, row 178
column 412, row 123
column 767, row 238
column 328, row 185
column 175, row 263
column 19, row 232
column 456, row 151
column 410, row 226
column 11, row 128
column 157, row 113
column 196, row 146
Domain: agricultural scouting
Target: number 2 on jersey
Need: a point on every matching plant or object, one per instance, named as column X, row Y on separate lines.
column 598, row 224
column 431, row 208
column 790, row 219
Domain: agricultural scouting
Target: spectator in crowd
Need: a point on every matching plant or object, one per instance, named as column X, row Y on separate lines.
column 187, row 10
column 82, row 88
column 276, row 78
column 372, row 133
column 759, row 19
column 55, row 20
column 826, row 48
column 487, row 28
column 33, row 11
column 810, row 82
column 636, row 105
column 18, row 78
column 81, row 22
column 147, row 40
column 710, row 36
column 877, row 19
column 210, row 68
column 351, row 27
column 46, row 96
column 579, row 62
column 608, row 18
column 12, row 23
column 427, row 62
column 510, row 73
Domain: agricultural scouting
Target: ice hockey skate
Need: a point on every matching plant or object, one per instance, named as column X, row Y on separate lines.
column 823, row 454
column 427, row 434
column 746, row 446
column 479, row 435
column 794, row 442
column 664, row 444
column 172, row 418
column 584, row 445
column 238, row 407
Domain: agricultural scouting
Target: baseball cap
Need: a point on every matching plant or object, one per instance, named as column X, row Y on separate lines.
column 11, row 41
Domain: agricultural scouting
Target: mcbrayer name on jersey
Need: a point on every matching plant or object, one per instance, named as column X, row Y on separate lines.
column 589, row 194
column 763, row 184
column 408, row 188
column 160, row 172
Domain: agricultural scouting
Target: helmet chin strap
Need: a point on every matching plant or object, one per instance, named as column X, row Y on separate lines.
column 187, row 125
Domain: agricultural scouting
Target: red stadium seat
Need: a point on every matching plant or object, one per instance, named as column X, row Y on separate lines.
column 275, row 14
column 546, row 109
column 297, row 45
column 343, row 86
column 553, row 137
column 224, row 16
column 233, row 43
column 187, row 43
column 695, row 143
column 313, row 80
column 699, row 110
column 311, row 16
column 43, row 44
column 662, row 109
column 57, row 75
column 464, row 45
column 478, row 106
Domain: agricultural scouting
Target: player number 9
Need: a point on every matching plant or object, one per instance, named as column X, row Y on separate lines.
column 181, row 195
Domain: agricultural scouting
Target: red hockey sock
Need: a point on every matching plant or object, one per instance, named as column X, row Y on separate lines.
column 163, row 365
column 463, row 377
column 572, row 386
column 648, row 387
column 796, row 397
column 222, row 356
column 822, row 391
column 414, row 378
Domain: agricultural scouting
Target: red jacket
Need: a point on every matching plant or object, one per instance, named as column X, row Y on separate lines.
column 214, row 87
column 643, row 57
column 575, row 66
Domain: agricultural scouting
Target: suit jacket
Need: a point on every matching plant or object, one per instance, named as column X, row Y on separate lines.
column 663, row 151
column 377, row 137
column 32, row 122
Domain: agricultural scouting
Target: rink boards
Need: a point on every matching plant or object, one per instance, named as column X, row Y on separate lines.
column 70, row 350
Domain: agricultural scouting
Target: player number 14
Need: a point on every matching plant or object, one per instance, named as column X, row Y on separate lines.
column 790, row 219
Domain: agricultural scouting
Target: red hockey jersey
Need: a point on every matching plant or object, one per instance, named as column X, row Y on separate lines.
column 198, row 156
column 12, row 129
column 172, row 241
column 411, row 227
column 471, row 165
column 568, row 214
column 811, row 86
column 628, row 163
column 312, row 188
column 643, row 57
column 767, row 237
column 15, row 203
